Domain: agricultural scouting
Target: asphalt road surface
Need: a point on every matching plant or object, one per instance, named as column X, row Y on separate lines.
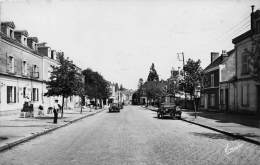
column 133, row 136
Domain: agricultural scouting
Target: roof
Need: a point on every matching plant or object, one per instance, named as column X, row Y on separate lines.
column 219, row 60
column 215, row 63
column 23, row 32
column 9, row 23
column 14, row 41
column 242, row 37
column 35, row 39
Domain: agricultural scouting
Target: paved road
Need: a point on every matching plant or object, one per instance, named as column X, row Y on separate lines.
column 133, row 136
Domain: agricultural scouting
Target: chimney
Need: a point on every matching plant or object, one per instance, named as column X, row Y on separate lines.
column 224, row 53
column 214, row 56
column 252, row 18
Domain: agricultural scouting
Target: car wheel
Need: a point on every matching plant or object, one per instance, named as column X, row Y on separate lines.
column 158, row 116
column 173, row 116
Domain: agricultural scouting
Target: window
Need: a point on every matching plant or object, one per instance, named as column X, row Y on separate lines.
column 245, row 68
column 212, row 99
column 24, row 68
column 212, row 80
column 245, row 95
column 35, row 71
column 10, row 64
column 35, row 94
column 24, row 92
column 52, row 54
column 24, row 41
column 11, row 94
column 258, row 26
column 11, row 33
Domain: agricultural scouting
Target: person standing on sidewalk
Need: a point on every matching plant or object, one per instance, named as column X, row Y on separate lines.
column 55, row 111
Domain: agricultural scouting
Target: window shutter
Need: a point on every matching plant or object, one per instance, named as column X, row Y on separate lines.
column 37, row 94
column 37, row 71
column 7, row 63
column 28, row 70
column 8, row 94
column 14, row 94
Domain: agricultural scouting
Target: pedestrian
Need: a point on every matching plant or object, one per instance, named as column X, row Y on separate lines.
column 55, row 112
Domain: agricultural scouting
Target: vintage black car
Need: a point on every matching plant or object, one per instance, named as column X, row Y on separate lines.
column 169, row 108
column 114, row 107
column 121, row 106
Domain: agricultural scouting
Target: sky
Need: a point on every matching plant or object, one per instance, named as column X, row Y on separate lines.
column 122, row 38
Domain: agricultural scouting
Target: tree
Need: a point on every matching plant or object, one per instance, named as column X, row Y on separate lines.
column 96, row 87
column 173, row 82
column 192, row 77
column 154, row 90
column 140, row 83
column 80, row 90
column 121, row 88
column 63, row 80
column 153, row 76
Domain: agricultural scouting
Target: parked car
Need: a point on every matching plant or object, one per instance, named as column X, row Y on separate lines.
column 114, row 107
column 169, row 108
column 121, row 106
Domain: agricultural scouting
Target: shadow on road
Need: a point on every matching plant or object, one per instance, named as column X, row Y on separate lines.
column 166, row 118
column 213, row 136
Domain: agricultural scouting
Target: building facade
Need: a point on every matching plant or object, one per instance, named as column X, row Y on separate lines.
column 20, row 69
column 210, row 82
column 247, row 58
column 25, row 66
column 227, row 79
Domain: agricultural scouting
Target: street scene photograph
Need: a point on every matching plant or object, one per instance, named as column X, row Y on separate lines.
column 130, row 82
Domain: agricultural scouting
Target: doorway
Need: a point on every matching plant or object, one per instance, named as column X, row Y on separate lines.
column 227, row 99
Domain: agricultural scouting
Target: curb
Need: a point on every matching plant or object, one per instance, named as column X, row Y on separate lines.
column 22, row 140
column 224, row 132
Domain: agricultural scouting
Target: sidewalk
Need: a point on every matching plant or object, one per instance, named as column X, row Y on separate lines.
column 244, row 127
column 15, row 130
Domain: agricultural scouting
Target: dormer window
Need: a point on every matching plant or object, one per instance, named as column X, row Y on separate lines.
column 24, row 41
column 11, row 33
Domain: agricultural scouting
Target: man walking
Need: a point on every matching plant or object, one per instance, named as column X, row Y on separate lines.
column 55, row 111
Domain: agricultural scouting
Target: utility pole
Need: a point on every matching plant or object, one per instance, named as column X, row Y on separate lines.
column 183, row 64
